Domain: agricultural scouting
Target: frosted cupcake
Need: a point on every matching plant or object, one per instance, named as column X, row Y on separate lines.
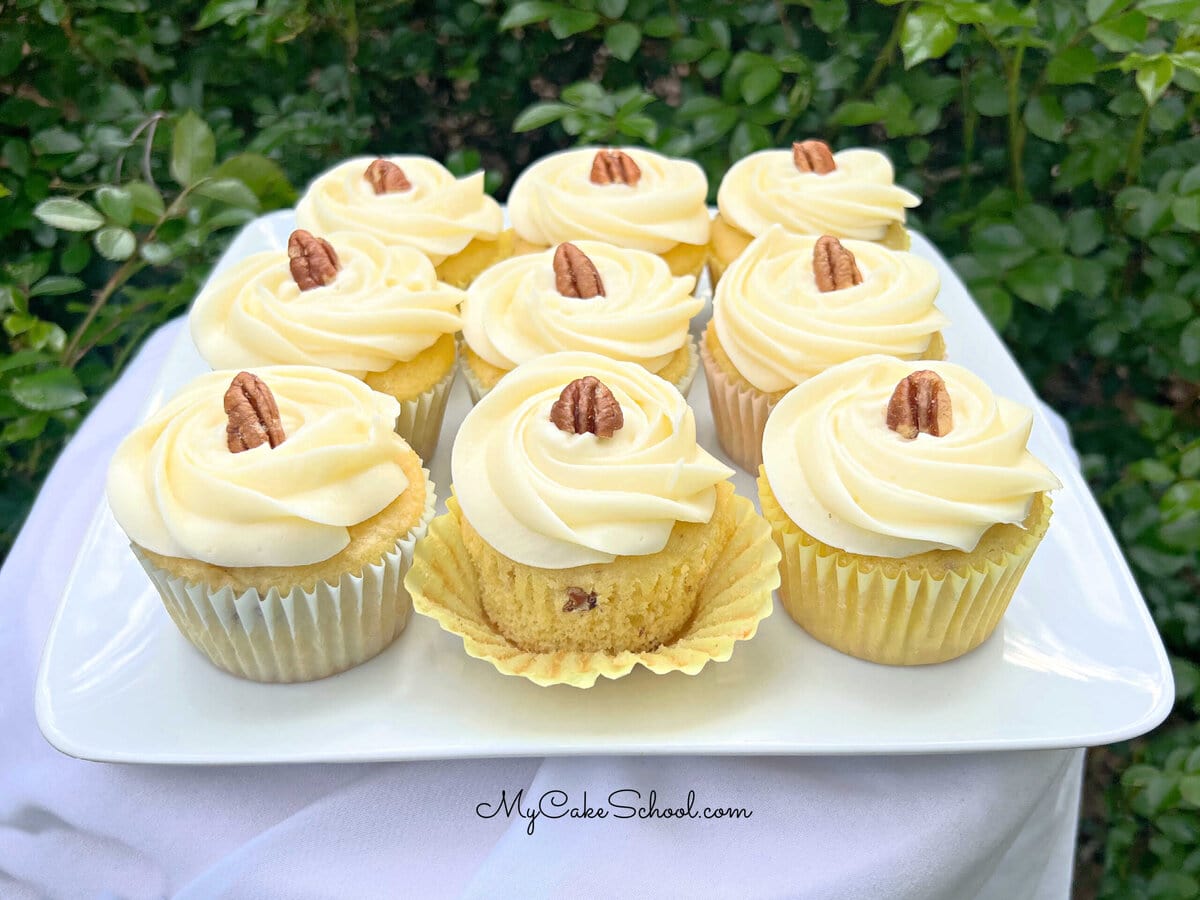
column 791, row 306
column 623, row 304
column 905, row 504
column 348, row 303
column 808, row 190
column 411, row 201
column 276, row 513
column 628, row 197
column 589, row 532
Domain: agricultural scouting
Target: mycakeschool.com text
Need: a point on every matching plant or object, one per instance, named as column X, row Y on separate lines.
column 626, row 803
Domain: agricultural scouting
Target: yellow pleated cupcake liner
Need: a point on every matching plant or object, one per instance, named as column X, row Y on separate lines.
column 736, row 597
column 739, row 413
column 298, row 635
column 881, row 610
column 420, row 419
column 478, row 389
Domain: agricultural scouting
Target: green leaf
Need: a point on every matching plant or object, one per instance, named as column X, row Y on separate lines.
column 1044, row 117
column 1042, row 280
column 759, row 82
column 231, row 12
column 1153, row 78
column 1180, row 10
column 830, row 15
column 157, row 253
column 116, row 203
column 148, row 205
column 1085, row 231
column 1074, row 65
column 612, row 9
column 996, row 304
column 262, row 175
column 228, row 190
column 660, row 26
column 927, row 34
column 4, row 192
column 54, row 141
column 539, row 115
column 56, row 285
column 1101, row 9
column 193, row 149
column 47, row 391
column 565, row 22
column 1123, row 33
column 858, row 112
column 1189, row 343
column 526, row 13
column 623, row 39
column 1041, row 227
column 115, row 243
column 68, row 214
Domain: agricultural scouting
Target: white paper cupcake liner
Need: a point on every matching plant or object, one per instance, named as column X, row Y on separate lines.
column 739, row 412
column 302, row 635
column 420, row 419
column 477, row 389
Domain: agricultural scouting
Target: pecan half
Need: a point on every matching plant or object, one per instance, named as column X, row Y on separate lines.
column 313, row 261
column 253, row 415
column 579, row 599
column 574, row 274
column 813, row 156
column 614, row 167
column 587, row 405
column 387, row 177
column 920, row 403
column 833, row 265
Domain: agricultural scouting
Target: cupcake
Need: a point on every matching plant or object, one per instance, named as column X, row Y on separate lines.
column 791, row 306
column 276, row 512
column 808, row 190
column 589, row 532
column 623, row 304
column 347, row 303
column 905, row 504
column 630, row 197
column 411, row 201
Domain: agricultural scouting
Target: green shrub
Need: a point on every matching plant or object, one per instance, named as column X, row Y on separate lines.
column 1053, row 143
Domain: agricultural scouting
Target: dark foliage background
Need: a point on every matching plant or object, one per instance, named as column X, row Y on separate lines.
column 1055, row 145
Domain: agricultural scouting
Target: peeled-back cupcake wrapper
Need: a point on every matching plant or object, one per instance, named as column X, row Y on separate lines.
column 420, row 419
column 302, row 635
column 739, row 413
column 684, row 383
column 885, row 614
column 736, row 597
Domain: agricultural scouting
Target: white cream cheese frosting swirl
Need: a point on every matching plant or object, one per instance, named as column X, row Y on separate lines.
column 439, row 215
column 514, row 313
column 554, row 200
column 385, row 306
column 176, row 489
column 848, row 480
column 547, row 498
column 858, row 200
column 779, row 328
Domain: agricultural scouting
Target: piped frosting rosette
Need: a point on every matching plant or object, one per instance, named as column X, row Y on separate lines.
column 514, row 312
column 858, row 200
column 554, row 200
column 438, row 214
column 384, row 306
column 551, row 500
column 178, row 491
column 898, row 549
column 780, row 328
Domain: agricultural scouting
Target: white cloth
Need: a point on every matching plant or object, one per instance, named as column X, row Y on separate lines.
column 988, row 825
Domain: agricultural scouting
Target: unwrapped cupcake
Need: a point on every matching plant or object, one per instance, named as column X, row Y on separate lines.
column 589, row 532
column 809, row 190
column 411, row 201
column 276, row 512
column 629, row 197
column 791, row 306
column 346, row 302
column 623, row 304
column 905, row 504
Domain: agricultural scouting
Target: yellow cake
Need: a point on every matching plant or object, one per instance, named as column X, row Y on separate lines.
column 411, row 201
column 630, row 308
column 851, row 194
column 781, row 316
column 905, row 505
column 629, row 197
column 347, row 302
column 276, row 512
